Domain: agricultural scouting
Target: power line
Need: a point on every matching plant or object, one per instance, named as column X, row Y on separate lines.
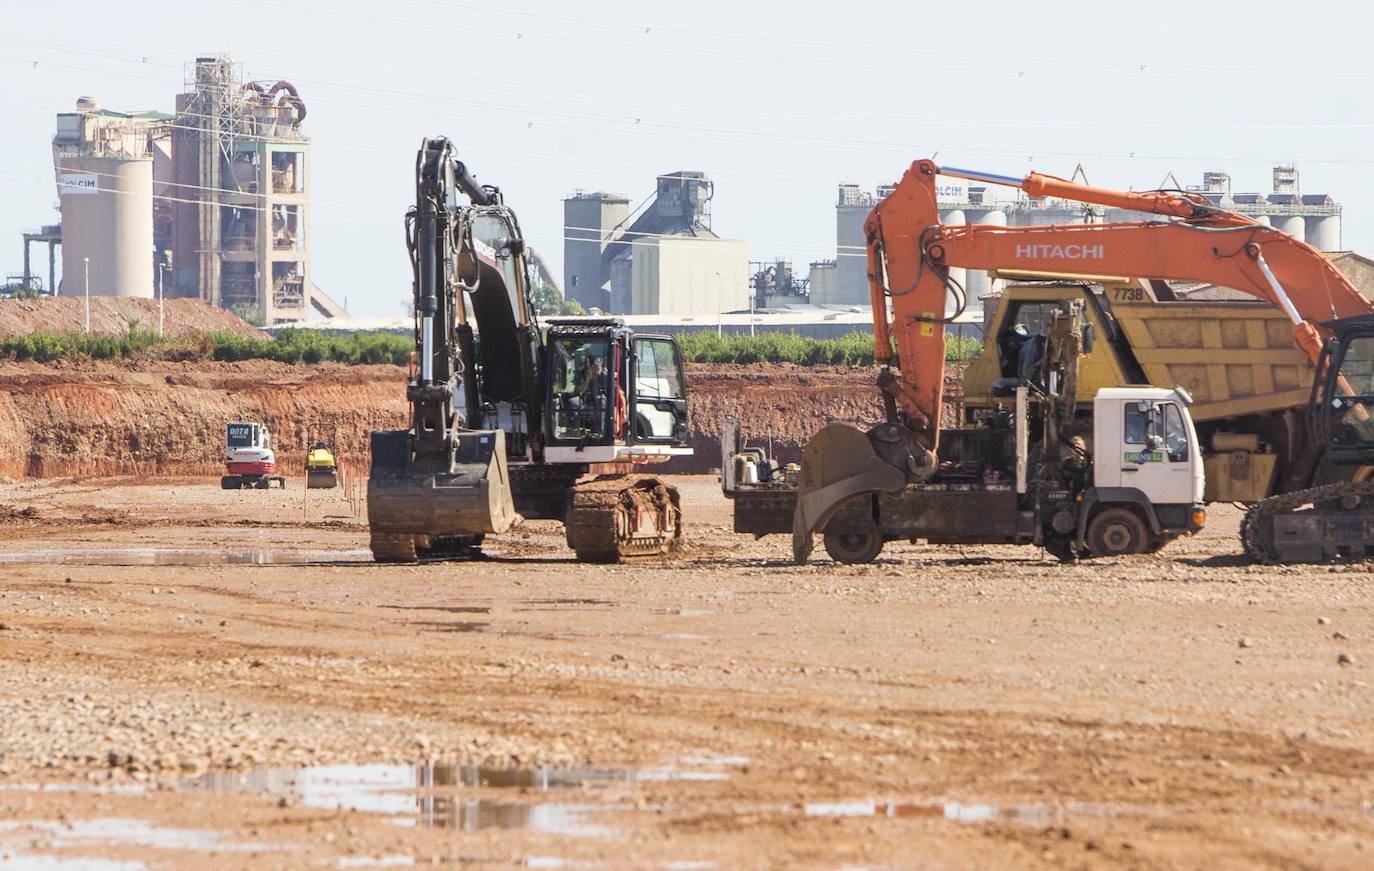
column 679, row 131
column 874, row 48
column 828, row 57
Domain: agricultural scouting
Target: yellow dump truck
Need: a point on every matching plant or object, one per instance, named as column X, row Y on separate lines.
column 1249, row 382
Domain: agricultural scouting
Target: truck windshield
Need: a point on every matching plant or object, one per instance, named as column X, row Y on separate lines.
column 241, row 435
column 1175, row 434
column 580, row 375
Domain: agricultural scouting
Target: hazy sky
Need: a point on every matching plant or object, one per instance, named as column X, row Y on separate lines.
column 777, row 101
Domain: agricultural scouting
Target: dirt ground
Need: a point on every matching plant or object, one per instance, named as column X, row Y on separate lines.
column 112, row 316
column 277, row 701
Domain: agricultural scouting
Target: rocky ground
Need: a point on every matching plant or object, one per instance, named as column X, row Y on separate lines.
column 190, row 676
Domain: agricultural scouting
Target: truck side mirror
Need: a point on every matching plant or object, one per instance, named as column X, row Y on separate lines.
column 1152, row 444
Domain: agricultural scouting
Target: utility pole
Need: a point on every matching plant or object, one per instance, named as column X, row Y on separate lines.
column 161, row 282
column 87, row 282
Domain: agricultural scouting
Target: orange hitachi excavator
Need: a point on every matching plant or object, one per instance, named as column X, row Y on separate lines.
column 910, row 255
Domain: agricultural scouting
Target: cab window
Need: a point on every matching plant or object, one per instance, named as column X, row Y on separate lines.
column 659, row 393
column 1175, row 434
column 581, row 380
column 242, row 435
column 1139, row 426
column 657, row 375
column 1350, row 403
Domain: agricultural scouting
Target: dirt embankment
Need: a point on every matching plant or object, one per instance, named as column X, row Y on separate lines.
column 112, row 317
column 93, row 418
column 782, row 405
column 168, row 418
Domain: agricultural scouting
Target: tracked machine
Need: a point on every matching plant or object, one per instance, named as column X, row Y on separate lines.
column 249, row 461
column 847, row 474
column 510, row 420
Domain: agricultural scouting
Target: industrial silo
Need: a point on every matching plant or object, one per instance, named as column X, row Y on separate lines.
column 104, row 173
column 979, row 283
column 1293, row 225
column 1324, row 232
column 956, row 218
column 107, row 219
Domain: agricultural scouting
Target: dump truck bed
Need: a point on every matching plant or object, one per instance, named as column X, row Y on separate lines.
column 1235, row 358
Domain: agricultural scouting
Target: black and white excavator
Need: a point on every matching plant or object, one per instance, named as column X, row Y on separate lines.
column 511, row 420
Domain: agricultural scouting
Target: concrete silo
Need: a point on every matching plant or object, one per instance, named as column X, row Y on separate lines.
column 956, row 218
column 1293, row 225
column 1324, row 232
column 105, row 184
column 851, row 256
column 979, row 284
column 590, row 222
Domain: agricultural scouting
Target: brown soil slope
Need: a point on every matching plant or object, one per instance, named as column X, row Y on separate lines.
column 111, row 317
column 95, row 418
column 108, row 418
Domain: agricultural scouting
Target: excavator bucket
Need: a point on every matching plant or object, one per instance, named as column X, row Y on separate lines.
column 838, row 464
column 408, row 504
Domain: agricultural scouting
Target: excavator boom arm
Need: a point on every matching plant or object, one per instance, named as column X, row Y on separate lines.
column 910, row 254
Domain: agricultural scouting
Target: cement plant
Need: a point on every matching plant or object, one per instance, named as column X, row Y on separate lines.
column 539, row 493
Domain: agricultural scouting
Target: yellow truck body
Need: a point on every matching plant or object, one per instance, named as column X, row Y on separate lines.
column 1248, row 380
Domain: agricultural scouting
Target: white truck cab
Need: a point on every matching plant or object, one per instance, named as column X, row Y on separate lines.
column 1150, row 431
column 1147, row 458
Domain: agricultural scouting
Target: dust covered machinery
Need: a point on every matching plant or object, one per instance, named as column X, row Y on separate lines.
column 911, row 258
column 1127, row 479
column 250, row 462
column 321, row 456
column 509, row 421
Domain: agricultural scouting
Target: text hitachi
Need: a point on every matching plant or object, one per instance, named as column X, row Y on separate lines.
column 1065, row 252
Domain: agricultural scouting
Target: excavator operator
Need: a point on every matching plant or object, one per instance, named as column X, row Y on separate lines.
column 591, row 384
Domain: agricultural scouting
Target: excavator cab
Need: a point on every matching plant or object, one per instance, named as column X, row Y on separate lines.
column 608, row 386
column 1342, row 405
column 583, row 389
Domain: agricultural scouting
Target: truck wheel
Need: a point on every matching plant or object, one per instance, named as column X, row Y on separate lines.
column 1117, row 532
column 855, row 548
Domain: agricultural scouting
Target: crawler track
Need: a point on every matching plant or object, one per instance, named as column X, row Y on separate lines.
column 617, row 518
column 1257, row 527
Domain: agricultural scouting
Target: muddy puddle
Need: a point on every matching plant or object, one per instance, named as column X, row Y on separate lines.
column 1034, row 815
column 172, row 556
column 442, row 796
column 49, row 844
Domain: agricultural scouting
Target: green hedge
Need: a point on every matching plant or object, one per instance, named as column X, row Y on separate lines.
column 318, row 346
column 313, row 346
column 289, row 346
column 46, row 347
column 854, row 349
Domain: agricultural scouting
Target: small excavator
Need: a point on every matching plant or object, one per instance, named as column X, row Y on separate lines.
column 512, row 420
column 910, row 255
column 249, row 461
